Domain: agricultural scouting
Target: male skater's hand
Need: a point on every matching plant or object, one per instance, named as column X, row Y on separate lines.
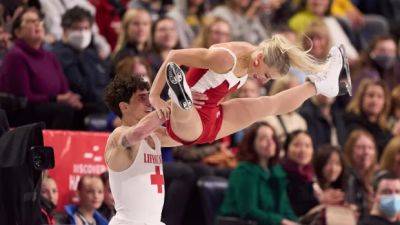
column 199, row 99
column 163, row 110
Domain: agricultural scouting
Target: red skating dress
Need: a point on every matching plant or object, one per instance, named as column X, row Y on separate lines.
column 216, row 86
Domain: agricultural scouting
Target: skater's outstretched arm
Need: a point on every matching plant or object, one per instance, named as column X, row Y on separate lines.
column 147, row 125
column 140, row 131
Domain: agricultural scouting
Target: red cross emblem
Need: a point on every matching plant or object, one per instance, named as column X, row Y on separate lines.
column 157, row 179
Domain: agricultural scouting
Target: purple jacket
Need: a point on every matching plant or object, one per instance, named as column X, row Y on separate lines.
column 32, row 73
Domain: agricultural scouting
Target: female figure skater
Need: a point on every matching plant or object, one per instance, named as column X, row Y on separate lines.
column 224, row 68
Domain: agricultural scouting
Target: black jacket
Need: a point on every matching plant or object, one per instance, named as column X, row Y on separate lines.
column 357, row 194
column 87, row 74
column 319, row 128
column 20, row 182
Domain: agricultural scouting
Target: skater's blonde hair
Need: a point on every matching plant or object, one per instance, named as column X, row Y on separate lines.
column 281, row 54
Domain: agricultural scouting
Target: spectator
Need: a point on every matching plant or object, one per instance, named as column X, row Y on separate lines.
column 330, row 169
column 107, row 209
column 390, row 160
column 324, row 121
column 243, row 18
column 330, row 189
column 49, row 190
column 135, row 36
column 86, row 72
column 164, row 39
column 379, row 63
column 53, row 11
column 369, row 110
column 385, row 210
column 317, row 39
column 312, row 10
column 286, row 123
column 91, row 196
column 135, row 66
column 298, row 166
column 214, row 31
column 257, row 187
column 361, row 156
column 49, row 197
column 32, row 72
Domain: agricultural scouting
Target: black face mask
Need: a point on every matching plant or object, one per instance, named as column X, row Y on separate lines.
column 384, row 62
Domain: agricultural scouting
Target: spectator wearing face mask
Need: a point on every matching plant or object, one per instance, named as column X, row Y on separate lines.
column 53, row 11
column 86, row 72
column 379, row 63
column 386, row 207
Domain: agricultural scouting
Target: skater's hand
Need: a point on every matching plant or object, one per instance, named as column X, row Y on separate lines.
column 163, row 111
column 199, row 99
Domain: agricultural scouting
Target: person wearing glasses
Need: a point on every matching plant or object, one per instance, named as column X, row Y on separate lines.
column 34, row 73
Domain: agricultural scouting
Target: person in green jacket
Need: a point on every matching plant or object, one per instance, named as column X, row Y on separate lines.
column 257, row 187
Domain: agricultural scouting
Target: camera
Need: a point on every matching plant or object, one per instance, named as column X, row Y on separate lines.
column 42, row 157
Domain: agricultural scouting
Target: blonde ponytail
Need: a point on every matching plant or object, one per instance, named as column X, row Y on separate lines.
column 281, row 54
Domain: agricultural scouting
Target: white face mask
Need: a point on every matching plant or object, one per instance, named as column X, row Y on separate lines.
column 80, row 39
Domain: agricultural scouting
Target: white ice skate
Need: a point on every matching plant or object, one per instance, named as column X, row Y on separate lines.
column 179, row 90
column 336, row 79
